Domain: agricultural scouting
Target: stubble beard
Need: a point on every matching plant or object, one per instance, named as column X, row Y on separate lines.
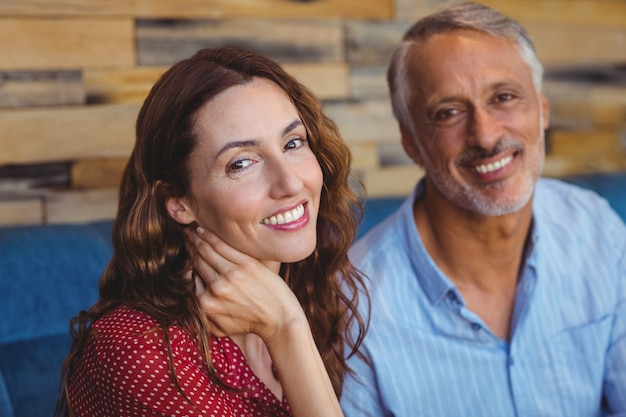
column 494, row 199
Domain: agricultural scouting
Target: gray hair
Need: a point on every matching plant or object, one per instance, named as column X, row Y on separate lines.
column 468, row 15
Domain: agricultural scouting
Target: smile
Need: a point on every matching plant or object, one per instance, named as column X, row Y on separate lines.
column 285, row 217
column 494, row 166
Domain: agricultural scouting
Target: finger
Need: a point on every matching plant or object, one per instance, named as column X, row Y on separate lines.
column 221, row 321
column 226, row 251
column 199, row 286
column 204, row 258
column 205, row 246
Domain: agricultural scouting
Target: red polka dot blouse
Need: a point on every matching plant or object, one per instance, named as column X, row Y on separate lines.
column 125, row 371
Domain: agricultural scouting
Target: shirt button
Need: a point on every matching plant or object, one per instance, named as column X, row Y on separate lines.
column 476, row 326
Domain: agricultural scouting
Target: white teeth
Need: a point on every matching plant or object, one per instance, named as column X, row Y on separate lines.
column 286, row 217
column 483, row 169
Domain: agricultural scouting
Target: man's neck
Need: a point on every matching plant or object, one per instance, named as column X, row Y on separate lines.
column 480, row 254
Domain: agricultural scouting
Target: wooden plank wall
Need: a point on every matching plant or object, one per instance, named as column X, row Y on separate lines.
column 73, row 74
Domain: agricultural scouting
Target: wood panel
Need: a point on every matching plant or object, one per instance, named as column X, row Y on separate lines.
column 608, row 106
column 107, row 8
column 329, row 80
column 583, row 152
column 60, row 134
column 97, row 173
column 559, row 44
column 583, row 13
column 55, row 44
column 585, row 105
column 115, row 86
column 569, row 105
column 559, row 166
column 310, row 9
column 599, row 13
column 587, row 143
column 42, row 88
column 371, row 44
column 391, row 181
column 21, row 211
column 364, row 155
column 369, row 83
column 367, row 121
column 74, row 73
column 268, row 9
column 167, row 42
column 82, row 206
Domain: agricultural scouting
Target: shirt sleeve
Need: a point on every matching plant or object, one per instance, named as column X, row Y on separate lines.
column 615, row 375
column 360, row 396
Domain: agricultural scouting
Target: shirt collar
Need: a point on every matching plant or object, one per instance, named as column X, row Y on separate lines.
column 435, row 283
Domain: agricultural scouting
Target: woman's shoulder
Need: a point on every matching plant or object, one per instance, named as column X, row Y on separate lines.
column 134, row 331
column 124, row 322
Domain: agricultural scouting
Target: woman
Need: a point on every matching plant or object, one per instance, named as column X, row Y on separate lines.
column 236, row 177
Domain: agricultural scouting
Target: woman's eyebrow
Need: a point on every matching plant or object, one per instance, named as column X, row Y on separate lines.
column 237, row 144
column 291, row 126
column 254, row 142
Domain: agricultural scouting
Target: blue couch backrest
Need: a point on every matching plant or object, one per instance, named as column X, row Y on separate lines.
column 47, row 275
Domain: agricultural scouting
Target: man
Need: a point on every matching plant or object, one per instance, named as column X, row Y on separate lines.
column 493, row 292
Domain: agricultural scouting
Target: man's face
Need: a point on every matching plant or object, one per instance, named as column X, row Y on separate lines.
column 477, row 121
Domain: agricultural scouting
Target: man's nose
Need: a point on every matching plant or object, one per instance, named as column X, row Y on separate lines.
column 484, row 128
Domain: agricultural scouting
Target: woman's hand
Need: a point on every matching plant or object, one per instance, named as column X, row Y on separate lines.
column 241, row 295
column 238, row 293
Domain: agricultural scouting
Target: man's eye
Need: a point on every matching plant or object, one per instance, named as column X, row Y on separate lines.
column 446, row 114
column 503, row 98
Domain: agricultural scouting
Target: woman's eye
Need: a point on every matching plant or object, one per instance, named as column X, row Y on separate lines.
column 239, row 165
column 295, row 143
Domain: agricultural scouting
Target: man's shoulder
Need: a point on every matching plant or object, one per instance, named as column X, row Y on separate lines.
column 378, row 240
column 576, row 212
column 559, row 198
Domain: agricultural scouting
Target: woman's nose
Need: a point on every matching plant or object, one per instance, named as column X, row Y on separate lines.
column 286, row 179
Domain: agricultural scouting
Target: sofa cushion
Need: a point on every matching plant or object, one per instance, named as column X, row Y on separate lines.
column 6, row 406
column 47, row 275
column 376, row 210
column 33, row 370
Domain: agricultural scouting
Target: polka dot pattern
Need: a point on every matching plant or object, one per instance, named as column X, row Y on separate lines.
column 125, row 371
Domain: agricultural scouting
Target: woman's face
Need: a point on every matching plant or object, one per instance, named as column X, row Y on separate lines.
column 254, row 181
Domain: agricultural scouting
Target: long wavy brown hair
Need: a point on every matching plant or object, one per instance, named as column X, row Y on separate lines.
column 149, row 263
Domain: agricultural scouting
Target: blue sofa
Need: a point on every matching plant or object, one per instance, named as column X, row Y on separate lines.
column 49, row 273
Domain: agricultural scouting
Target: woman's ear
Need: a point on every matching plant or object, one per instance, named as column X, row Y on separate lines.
column 180, row 210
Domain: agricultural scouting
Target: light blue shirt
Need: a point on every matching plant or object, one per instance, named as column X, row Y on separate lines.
column 431, row 356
